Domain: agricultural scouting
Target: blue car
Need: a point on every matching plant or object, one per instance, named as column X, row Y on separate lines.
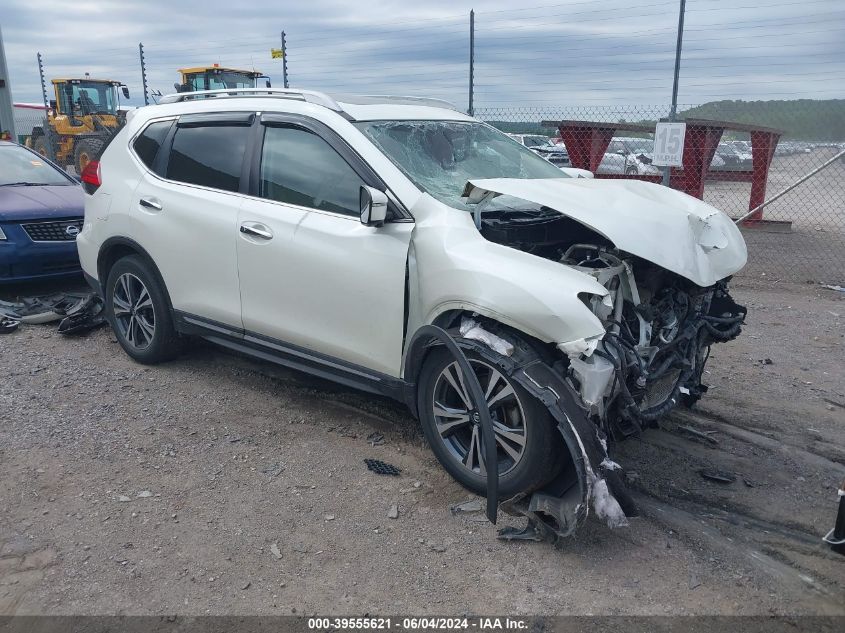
column 41, row 213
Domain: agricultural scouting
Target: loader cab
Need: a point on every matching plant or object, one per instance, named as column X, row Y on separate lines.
column 217, row 78
column 87, row 97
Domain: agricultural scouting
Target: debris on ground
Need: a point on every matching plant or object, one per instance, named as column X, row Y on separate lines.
column 719, row 476
column 834, row 403
column 145, row 494
column 273, row 470
column 8, row 324
column 393, row 512
column 467, row 507
column 702, row 435
column 381, row 468
column 275, row 551
column 832, row 287
column 375, row 439
column 77, row 312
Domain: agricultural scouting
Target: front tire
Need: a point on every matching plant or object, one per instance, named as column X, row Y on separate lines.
column 138, row 311
column 529, row 450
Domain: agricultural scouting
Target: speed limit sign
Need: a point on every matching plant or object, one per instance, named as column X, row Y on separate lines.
column 669, row 144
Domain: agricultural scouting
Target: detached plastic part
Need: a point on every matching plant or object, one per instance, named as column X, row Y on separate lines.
column 472, row 330
column 83, row 317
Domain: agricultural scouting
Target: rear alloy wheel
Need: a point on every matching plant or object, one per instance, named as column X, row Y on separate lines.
column 137, row 309
column 631, row 171
column 528, row 447
column 134, row 313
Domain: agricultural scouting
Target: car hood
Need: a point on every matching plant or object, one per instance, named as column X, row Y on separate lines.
column 19, row 202
column 666, row 227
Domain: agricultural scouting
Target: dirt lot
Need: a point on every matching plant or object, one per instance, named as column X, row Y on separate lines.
column 215, row 484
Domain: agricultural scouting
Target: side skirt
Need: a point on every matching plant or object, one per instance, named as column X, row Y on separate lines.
column 293, row 356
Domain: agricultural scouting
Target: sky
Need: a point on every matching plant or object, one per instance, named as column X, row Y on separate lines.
column 529, row 56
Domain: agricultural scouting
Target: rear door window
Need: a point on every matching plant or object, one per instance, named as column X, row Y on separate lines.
column 208, row 155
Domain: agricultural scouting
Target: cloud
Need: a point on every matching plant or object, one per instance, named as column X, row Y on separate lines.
column 572, row 53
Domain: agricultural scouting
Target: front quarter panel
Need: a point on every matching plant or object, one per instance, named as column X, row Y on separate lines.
column 454, row 268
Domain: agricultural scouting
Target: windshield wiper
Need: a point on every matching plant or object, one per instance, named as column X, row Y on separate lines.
column 23, row 183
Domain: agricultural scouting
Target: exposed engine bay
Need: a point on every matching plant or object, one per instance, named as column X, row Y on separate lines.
column 659, row 325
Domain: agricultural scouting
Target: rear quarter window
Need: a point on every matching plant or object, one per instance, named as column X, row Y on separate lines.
column 148, row 143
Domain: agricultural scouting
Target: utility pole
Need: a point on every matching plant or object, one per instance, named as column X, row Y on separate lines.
column 284, row 62
column 673, row 110
column 471, row 109
column 43, row 83
column 144, row 73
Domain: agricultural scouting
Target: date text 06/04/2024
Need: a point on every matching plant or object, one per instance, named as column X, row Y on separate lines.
column 418, row 623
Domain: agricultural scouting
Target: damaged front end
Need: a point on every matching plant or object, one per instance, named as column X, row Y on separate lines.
column 659, row 330
column 665, row 260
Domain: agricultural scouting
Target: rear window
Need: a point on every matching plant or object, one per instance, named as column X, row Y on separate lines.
column 209, row 155
column 150, row 140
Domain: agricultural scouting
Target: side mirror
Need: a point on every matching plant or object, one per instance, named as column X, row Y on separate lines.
column 373, row 206
column 125, row 92
column 177, row 87
column 267, row 84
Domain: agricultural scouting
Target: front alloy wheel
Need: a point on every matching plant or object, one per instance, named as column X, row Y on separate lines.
column 459, row 425
column 529, row 450
column 134, row 313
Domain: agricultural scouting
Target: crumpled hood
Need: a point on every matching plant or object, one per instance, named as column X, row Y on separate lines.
column 42, row 202
column 671, row 229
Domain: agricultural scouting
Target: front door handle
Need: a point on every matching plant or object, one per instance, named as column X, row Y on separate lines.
column 150, row 203
column 256, row 230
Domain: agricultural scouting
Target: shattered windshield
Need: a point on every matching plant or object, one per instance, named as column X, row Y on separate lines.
column 441, row 156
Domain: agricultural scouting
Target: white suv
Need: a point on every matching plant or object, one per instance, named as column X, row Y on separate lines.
column 324, row 234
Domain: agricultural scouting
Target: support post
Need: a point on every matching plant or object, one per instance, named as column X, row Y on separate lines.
column 673, row 110
column 43, row 83
column 284, row 62
column 471, row 109
column 144, row 73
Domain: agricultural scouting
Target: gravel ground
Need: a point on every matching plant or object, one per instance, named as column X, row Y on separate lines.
column 216, row 484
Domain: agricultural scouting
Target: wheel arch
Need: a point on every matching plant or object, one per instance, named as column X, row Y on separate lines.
column 116, row 248
column 419, row 347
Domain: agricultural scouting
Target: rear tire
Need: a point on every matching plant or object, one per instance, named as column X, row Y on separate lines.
column 632, row 171
column 520, row 416
column 85, row 151
column 139, row 313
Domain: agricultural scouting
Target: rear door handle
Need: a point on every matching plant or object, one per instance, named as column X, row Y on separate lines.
column 150, row 203
column 255, row 229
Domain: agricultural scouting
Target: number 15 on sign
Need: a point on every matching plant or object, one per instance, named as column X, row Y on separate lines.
column 669, row 144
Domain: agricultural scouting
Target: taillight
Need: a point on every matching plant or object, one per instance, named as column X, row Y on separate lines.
column 91, row 177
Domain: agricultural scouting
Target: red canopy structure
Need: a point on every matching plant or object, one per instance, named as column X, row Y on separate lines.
column 587, row 141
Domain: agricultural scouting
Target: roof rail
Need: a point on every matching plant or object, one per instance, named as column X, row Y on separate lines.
column 309, row 96
column 396, row 100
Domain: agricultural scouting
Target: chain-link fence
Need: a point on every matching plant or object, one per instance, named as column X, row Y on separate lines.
column 736, row 156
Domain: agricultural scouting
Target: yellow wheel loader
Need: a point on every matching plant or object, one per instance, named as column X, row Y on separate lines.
column 81, row 119
column 216, row 77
